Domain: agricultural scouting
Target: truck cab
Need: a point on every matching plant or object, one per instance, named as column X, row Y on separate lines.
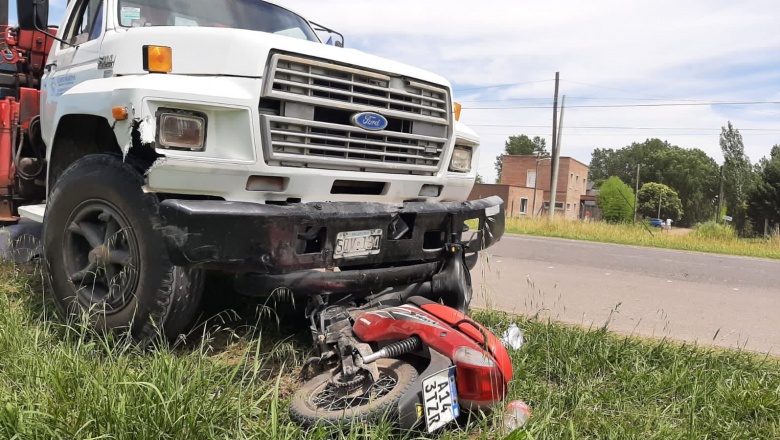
column 180, row 137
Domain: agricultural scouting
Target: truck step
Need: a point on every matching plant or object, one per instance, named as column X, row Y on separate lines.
column 33, row 212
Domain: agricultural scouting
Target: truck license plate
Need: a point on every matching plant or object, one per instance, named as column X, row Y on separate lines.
column 358, row 243
column 440, row 399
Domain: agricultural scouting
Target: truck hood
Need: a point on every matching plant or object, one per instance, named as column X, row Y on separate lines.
column 236, row 52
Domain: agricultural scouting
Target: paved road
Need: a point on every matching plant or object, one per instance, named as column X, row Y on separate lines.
column 712, row 299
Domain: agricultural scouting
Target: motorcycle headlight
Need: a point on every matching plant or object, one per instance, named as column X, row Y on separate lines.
column 186, row 130
column 461, row 159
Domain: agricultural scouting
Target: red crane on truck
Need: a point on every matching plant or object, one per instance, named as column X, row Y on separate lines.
column 22, row 153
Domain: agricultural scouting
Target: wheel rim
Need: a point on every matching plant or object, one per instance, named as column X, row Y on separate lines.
column 101, row 256
column 329, row 397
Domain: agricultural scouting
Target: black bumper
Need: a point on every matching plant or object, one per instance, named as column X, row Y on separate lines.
column 270, row 239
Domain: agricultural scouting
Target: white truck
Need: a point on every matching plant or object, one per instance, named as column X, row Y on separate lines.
column 177, row 137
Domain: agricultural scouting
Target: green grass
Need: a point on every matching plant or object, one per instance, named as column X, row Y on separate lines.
column 594, row 384
column 61, row 381
column 707, row 239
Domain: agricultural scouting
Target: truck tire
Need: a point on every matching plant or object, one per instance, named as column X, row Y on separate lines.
column 105, row 254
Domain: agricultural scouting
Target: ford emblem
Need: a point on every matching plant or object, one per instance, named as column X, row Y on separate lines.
column 369, row 121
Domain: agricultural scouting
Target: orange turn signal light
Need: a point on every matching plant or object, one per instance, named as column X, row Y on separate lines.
column 158, row 59
column 458, row 109
column 119, row 113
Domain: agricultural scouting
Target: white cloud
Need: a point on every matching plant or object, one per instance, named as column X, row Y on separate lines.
column 713, row 50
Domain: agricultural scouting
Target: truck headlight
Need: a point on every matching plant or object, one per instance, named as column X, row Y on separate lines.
column 179, row 129
column 461, row 159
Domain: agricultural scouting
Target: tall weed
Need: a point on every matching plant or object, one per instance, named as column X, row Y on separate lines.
column 714, row 230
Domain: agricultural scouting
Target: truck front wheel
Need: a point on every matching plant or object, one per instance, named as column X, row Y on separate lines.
column 106, row 256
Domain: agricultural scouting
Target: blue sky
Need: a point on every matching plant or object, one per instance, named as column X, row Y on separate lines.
column 57, row 7
column 609, row 52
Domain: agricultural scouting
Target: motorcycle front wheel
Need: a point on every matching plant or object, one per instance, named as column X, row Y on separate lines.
column 320, row 401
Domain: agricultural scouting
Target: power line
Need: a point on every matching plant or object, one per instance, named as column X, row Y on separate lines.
column 590, row 98
column 655, row 98
column 573, row 97
column 622, row 134
column 621, row 90
column 504, row 100
column 655, row 95
column 498, row 86
column 621, row 128
column 632, row 105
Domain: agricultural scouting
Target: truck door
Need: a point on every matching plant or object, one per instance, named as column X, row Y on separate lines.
column 77, row 60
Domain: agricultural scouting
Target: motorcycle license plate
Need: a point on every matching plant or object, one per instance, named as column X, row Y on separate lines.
column 440, row 399
column 358, row 243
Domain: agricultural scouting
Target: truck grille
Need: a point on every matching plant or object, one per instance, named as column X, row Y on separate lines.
column 316, row 100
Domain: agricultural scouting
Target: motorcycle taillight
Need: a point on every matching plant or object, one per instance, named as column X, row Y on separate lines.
column 480, row 382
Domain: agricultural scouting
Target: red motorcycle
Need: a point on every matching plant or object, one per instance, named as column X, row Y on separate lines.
column 402, row 357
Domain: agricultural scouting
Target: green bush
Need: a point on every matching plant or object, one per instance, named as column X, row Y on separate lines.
column 712, row 229
column 616, row 200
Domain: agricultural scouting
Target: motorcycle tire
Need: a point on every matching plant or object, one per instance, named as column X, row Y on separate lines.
column 320, row 402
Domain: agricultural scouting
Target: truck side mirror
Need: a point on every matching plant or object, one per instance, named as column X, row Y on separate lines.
column 33, row 14
column 338, row 42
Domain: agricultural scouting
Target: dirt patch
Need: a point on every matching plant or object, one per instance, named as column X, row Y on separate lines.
column 679, row 231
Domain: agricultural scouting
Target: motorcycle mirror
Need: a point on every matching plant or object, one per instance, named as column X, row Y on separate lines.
column 33, row 14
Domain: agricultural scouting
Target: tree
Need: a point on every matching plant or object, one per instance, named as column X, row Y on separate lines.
column 520, row 146
column 653, row 194
column 616, row 200
column 764, row 198
column 694, row 176
column 601, row 165
column 737, row 175
column 479, row 179
column 690, row 172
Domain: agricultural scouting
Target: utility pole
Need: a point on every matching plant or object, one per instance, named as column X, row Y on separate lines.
column 660, row 197
column 536, row 183
column 556, row 162
column 636, row 194
column 554, row 143
column 720, row 197
column 536, row 179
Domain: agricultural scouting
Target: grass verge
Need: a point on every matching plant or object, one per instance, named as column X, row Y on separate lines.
column 586, row 383
column 62, row 382
column 638, row 235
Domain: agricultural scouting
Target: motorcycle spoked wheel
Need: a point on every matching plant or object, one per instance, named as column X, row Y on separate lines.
column 319, row 401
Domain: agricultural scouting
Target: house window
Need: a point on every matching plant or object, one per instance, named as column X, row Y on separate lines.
column 577, row 183
column 584, row 185
column 530, row 180
column 571, row 180
column 568, row 206
column 559, row 206
column 523, row 206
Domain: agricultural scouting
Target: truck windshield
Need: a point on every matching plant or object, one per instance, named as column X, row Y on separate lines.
column 253, row 15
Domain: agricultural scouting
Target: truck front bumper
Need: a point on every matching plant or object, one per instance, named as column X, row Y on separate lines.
column 278, row 240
